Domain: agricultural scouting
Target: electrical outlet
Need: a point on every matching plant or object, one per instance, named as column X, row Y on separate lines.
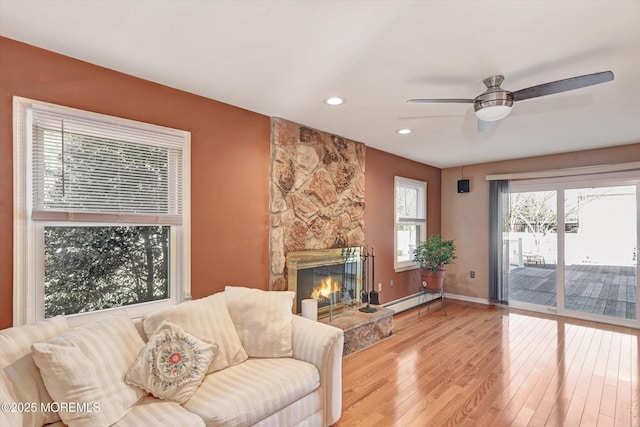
column 379, row 286
column 472, row 274
column 391, row 283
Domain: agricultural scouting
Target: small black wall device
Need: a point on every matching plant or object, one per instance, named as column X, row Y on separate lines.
column 463, row 186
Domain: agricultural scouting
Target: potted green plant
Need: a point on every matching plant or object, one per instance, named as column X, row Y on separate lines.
column 432, row 255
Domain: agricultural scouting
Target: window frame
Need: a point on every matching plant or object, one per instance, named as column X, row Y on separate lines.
column 421, row 186
column 28, row 235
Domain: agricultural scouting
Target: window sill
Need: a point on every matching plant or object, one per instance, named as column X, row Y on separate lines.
column 401, row 268
column 133, row 310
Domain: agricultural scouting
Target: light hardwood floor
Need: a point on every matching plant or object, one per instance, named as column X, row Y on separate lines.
column 487, row 366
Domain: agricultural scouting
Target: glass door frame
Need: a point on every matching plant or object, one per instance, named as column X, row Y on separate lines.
column 531, row 186
column 559, row 185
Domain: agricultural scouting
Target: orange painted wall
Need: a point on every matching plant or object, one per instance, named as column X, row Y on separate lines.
column 230, row 161
column 380, row 170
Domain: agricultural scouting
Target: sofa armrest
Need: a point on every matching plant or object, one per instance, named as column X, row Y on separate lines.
column 321, row 345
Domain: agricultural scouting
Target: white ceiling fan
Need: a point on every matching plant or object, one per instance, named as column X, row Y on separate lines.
column 495, row 103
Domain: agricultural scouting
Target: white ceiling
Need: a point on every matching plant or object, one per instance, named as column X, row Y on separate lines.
column 281, row 58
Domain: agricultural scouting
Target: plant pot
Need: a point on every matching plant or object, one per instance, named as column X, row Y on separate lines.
column 434, row 281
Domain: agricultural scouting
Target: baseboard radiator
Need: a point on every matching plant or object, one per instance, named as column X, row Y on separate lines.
column 415, row 300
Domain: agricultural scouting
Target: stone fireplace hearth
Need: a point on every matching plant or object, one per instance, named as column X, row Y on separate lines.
column 311, row 270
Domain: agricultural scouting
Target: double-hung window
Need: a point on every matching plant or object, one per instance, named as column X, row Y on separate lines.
column 101, row 214
column 410, row 220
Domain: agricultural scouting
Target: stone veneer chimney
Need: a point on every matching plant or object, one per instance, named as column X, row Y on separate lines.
column 317, row 193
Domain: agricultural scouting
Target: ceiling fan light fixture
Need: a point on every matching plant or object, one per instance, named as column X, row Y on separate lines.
column 491, row 113
column 495, row 103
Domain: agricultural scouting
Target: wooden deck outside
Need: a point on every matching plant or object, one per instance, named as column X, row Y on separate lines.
column 487, row 366
column 597, row 289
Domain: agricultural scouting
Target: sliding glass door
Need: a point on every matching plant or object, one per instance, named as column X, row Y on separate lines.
column 600, row 251
column 533, row 260
column 573, row 248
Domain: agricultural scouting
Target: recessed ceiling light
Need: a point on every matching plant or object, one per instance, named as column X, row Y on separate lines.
column 404, row 131
column 335, row 100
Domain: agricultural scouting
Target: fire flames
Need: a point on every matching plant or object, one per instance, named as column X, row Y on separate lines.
column 327, row 287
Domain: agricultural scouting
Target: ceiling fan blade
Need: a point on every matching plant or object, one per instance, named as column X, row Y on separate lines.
column 562, row 85
column 485, row 126
column 440, row 101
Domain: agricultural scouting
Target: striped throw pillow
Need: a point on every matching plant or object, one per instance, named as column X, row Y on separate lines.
column 208, row 319
column 85, row 368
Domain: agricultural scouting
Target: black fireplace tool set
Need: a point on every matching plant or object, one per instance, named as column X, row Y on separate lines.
column 368, row 276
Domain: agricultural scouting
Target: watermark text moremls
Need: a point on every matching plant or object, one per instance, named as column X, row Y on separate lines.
column 75, row 407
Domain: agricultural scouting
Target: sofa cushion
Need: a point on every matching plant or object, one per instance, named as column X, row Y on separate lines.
column 304, row 412
column 155, row 412
column 172, row 364
column 244, row 394
column 208, row 319
column 262, row 319
column 87, row 365
column 20, row 380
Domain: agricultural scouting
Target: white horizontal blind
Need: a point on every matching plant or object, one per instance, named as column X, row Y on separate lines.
column 95, row 169
column 410, row 201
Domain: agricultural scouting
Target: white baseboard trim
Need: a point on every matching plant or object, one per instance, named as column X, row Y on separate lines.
column 466, row 298
column 415, row 300
column 409, row 302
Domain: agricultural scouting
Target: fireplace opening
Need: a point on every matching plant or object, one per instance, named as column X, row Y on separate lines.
column 331, row 276
column 331, row 284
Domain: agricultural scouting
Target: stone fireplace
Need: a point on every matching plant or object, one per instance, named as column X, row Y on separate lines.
column 331, row 276
column 316, row 194
column 316, row 229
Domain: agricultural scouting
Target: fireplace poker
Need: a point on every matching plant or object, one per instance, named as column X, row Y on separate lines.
column 367, row 308
column 373, row 272
column 373, row 295
column 364, row 294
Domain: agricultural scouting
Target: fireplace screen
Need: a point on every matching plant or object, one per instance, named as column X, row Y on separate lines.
column 331, row 276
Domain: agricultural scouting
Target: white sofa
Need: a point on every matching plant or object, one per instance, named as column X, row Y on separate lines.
column 304, row 389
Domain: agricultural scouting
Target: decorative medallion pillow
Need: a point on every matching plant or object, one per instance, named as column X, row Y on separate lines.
column 208, row 319
column 262, row 319
column 172, row 364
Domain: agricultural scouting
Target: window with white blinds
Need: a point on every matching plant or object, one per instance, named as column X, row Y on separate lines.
column 410, row 220
column 86, row 169
column 101, row 214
